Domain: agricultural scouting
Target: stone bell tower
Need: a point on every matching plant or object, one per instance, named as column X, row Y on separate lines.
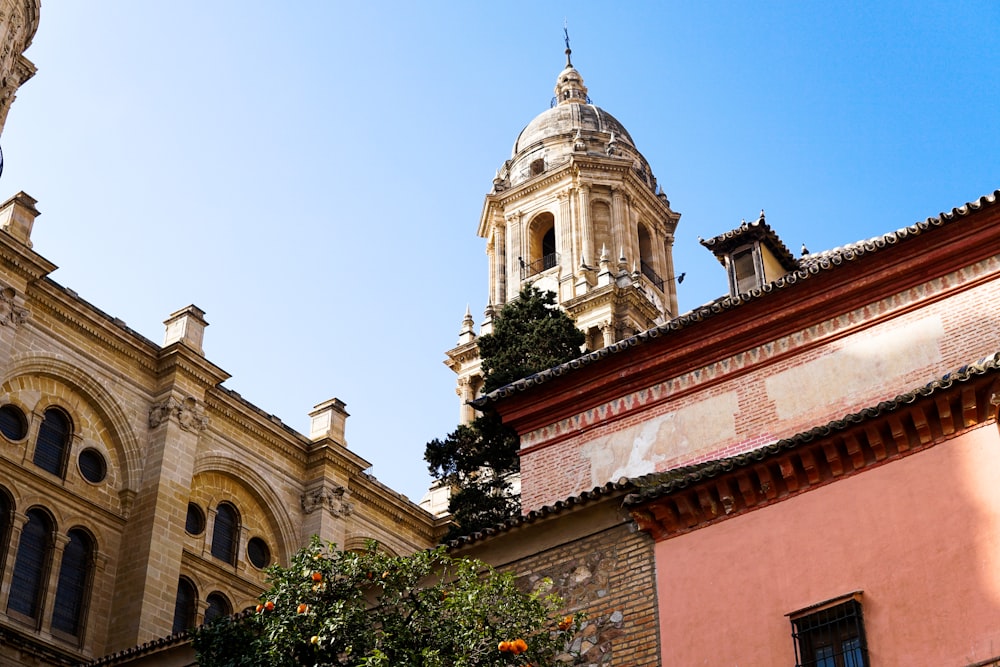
column 577, row 211
column 18, row 23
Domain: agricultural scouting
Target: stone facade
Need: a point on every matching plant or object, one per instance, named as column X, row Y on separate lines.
column 156, row 449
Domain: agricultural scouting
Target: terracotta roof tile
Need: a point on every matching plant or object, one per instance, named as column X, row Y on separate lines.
column 810, row 265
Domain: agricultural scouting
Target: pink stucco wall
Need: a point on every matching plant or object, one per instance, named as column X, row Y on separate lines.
column 920, row 537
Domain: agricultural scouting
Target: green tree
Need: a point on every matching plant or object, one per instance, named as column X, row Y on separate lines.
column 479, row 460
column 371, row 609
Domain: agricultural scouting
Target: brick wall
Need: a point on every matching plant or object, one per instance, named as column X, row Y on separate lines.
column 731, row 405
column 599, row 564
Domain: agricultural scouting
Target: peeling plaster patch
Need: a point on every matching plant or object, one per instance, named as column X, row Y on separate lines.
column 860, row 369
column 707, row 424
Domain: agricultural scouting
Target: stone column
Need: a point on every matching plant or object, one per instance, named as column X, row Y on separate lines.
column 586, row 229
column 619, row 223
column 671, row 282
column 608, row 331
column 498, row 285
column 566, row 224
column 515, row 255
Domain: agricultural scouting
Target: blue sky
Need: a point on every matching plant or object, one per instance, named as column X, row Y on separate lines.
column 311, row 174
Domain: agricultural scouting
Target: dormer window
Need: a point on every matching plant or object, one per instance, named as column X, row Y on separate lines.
column 753, row 255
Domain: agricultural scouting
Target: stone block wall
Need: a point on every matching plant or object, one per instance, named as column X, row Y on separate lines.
column 599, row 564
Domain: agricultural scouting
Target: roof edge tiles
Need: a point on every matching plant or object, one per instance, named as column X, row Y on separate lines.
column 810, row 266
column 647, row 488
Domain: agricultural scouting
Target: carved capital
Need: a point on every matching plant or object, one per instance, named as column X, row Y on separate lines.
column 11, row 315
column 188, row 413
column 333, row 498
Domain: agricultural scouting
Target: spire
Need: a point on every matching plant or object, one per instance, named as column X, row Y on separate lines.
column 569, row 85
column 569, row 51
column 468, row 332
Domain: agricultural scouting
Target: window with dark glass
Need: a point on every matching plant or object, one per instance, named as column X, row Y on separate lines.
column 34, row 555
column 13, row 424
column 6, row 516
column 185, row 607
column 218, row 606
column 258, row 553
column 53, row 442
column 744, row 271
column 831, row 635
column 225, row 533
column 195, row 522
column 74, row 583
column 92, row 466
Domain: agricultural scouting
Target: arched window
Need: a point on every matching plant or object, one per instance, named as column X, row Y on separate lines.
column 186, row 605
column 75, row 574
column 218, row 606
column 52, row 444
column 541, row 245
column 34, row 555
column 647, row 260
column 225, row 533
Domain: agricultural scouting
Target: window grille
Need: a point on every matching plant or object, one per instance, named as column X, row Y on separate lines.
column 225, row 533
column 53, row 442
column 833, row 636
column 74, row 580
column 34, row 553
column 185, row 605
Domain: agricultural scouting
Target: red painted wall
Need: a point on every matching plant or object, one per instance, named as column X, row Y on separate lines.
column 920, row 536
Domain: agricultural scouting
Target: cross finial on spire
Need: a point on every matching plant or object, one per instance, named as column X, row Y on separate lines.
column 568, row 50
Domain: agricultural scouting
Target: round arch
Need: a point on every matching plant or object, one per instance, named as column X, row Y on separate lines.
column 120, row 429
column 260, row 489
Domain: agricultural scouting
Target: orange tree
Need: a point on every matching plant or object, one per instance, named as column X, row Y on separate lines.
column 371, row 609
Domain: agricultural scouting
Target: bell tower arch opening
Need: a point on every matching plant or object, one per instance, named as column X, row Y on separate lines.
column 542, row 253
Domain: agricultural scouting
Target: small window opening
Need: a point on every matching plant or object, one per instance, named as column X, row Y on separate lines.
column 832, row 636
column 745, row 273
column 537, row 167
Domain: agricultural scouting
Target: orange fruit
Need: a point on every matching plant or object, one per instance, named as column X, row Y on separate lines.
column 520, row 646
column 317, row 576
column 260, row 608
column 566, row 623
column 314, row 639
column 303, row 608
column 503, row 647
column 269, row 605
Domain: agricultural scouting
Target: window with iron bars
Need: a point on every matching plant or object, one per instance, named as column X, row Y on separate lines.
column 831, row 634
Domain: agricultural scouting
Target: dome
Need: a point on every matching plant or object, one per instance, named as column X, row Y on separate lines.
column 567, row 120
column 572, row 126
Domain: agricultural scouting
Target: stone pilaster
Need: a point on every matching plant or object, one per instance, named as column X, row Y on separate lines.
column 150, row 555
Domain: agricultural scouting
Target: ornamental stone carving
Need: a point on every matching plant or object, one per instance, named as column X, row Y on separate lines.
column 332, row 498
column 189, row 415
column 11, row 315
